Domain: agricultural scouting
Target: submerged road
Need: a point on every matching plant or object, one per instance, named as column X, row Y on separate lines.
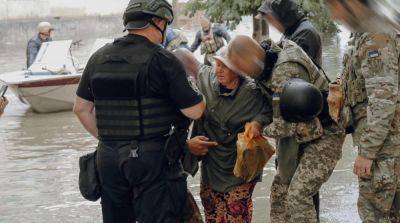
column 39, row 157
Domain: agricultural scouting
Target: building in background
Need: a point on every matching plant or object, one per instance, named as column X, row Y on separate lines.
column 20, row 9
column 24, row 9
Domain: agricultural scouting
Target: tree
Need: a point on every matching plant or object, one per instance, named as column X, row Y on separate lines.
column 231, row 12
column 175, row 6
column 318, row 14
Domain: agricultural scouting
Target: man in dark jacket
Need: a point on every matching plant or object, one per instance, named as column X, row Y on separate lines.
column 44, row 35
column 287, row 18
column 134, row 97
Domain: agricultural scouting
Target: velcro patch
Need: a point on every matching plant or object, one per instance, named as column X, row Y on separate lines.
column 374, row 54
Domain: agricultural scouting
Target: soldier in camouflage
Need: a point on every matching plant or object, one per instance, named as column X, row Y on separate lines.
column 175, row 39
column 210, row 39
column 368, row 106
column 322, row 139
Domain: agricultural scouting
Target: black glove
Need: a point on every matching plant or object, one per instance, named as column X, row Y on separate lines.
column 266, row 44
column 270, row 60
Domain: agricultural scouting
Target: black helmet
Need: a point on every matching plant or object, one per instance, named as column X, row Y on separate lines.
column 300, row 101
column 138, row 13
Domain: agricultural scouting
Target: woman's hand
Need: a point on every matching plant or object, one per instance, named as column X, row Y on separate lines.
column 255, row 130
column 3, row 104
column 200, row 145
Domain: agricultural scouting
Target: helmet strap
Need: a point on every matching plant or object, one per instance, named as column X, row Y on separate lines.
column 159, row 29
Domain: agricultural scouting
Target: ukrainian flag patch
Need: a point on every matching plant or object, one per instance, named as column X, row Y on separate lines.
column 374, row 54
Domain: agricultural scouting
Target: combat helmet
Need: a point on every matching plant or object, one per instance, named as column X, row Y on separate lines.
column 138, row 14
column 300, row 101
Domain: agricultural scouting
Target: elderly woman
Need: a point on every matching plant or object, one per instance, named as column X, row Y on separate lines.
column 232, row 101
column 3, row 104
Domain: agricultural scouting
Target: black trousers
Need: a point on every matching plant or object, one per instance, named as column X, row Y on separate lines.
column 138, row 189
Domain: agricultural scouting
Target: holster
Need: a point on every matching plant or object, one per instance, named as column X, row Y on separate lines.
column 173, row 149
column 287, row 158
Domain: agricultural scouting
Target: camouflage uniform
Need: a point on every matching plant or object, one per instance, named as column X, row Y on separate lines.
column 175, row 39
column 292, row 201
column 210, row 43
column 370, row 82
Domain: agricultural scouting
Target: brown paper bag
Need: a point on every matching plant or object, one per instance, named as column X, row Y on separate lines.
column 252, row 155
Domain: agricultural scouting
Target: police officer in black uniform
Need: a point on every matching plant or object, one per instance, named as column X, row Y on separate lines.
column 134, row 97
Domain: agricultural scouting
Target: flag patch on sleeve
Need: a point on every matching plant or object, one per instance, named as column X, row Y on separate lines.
column 373, row 54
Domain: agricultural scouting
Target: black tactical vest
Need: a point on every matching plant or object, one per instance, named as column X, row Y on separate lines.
column 124, row 108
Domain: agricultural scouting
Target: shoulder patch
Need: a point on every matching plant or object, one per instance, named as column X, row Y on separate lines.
column 371, row 45
column 373, row 53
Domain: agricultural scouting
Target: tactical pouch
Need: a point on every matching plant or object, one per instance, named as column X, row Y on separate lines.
column 287, row 157
column 89, row 184
column 173, row 149
column 338, row 110
column 309, row 131
column 335, row 100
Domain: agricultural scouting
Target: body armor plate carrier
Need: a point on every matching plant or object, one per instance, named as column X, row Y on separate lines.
column 124, row 110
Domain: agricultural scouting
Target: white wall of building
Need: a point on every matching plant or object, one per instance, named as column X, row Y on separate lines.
column 15, row 9
column 10, row 9
column 95, row 7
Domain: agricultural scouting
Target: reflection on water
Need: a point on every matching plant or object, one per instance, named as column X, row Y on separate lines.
column 39, row 158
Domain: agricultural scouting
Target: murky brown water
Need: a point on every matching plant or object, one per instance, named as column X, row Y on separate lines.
column 39, row 158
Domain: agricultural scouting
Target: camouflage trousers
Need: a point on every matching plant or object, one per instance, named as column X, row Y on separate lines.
column 293, row 202
column 379, row 198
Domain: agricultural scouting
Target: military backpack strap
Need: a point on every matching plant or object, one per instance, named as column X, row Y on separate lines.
column 293, row 53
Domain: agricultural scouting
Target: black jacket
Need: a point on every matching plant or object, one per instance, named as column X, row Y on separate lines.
column 308, row 38
column 298, row 28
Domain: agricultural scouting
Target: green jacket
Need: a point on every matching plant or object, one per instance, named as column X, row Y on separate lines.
column 225, row 117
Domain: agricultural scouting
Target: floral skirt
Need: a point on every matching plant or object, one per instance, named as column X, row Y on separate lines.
column 235, row 206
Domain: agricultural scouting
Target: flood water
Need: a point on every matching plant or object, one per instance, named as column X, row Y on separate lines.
column 39, row 156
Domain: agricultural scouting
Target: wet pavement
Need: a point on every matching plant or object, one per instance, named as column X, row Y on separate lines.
column 39, row 157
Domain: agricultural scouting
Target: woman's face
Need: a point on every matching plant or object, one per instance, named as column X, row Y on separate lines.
column 225, row 76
